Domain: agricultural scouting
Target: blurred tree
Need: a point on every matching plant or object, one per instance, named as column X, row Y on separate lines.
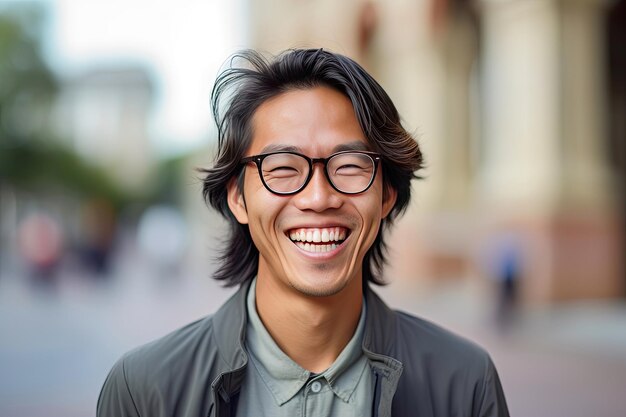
column 27, row 85
column 168, row 178
column 30, row 156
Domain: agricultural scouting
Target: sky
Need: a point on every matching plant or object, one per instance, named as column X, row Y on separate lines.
column 181, row 43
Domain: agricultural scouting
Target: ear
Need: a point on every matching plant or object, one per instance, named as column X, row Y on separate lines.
column 236, row 202
column 389, row 200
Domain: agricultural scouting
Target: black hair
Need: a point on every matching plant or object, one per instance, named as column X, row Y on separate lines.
column 250, row 80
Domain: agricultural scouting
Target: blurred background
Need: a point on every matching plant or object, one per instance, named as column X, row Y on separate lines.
column 515, row 239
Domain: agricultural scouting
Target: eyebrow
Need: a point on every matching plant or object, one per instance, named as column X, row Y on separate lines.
column 356, row 145
column 278, row 148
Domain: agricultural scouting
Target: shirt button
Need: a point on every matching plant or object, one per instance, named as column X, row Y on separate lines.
column 316, row 387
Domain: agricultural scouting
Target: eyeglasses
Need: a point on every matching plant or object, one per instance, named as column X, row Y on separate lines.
column 287, row 173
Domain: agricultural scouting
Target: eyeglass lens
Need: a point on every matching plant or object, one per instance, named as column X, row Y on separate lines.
column 348, row 172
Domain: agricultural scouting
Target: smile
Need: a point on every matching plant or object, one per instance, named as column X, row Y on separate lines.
column 318, row 239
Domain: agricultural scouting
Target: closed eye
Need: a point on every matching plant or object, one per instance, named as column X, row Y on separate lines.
column 281, row 171
column 351, row 170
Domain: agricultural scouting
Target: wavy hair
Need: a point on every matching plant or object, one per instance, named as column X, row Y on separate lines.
column 249, row 80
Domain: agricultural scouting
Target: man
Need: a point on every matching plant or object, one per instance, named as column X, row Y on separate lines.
column 312, row 165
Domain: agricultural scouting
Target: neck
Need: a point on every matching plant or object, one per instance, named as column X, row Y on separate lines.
column 311, row 330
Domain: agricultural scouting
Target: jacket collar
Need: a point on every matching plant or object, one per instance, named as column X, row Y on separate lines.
column 379, row 325
column 230, row 323
column 229, row 335
column 231, row 319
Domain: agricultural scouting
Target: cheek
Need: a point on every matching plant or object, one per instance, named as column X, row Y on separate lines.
column 263, row 212
column 371, row 213
column 373, row 223
column 373, row 207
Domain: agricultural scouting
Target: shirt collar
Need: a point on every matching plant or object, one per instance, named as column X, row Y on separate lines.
column 344, row 374
column 283, row 377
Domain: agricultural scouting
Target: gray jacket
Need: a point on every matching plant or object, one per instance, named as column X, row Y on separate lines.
column 419, row 369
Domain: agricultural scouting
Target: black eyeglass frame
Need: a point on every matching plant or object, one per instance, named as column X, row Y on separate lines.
column 258, row 160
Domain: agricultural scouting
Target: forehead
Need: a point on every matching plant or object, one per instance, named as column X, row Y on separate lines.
column 315, row 121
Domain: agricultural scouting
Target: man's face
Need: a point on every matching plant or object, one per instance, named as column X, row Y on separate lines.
column 315, row 122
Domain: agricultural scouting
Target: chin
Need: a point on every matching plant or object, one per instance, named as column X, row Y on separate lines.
column 319, row 285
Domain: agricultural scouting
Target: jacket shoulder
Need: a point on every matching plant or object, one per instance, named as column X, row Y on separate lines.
column 423, row 337
column 152, row 378
column 444, row 371
column 177, row 350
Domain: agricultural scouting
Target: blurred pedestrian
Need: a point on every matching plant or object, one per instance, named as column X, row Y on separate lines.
column 99, row 226
column 507, row 265
column 162, row 238
column 40, row 243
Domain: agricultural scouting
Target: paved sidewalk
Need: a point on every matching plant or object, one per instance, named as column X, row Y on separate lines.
column 57, row 347
column 564, row 361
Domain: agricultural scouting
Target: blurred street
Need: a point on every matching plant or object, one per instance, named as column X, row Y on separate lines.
column 518, row 106
column 57, row 344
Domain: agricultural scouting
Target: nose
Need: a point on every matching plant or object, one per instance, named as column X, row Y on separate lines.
column 318, row 195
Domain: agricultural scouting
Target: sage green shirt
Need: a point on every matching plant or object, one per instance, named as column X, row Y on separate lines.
column 277, row 386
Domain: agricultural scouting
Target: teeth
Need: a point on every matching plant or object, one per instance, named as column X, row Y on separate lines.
column 316, row 248
column 328, row 234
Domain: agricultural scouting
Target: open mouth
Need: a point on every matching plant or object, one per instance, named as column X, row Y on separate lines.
column 323, row 239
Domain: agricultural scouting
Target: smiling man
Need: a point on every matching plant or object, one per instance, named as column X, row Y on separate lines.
column 313, row 164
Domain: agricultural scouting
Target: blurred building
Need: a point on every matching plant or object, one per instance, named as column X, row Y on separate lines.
column 104, row 115
column 510, row 101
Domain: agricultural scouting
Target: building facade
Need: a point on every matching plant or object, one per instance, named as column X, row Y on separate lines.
column 510, row 102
